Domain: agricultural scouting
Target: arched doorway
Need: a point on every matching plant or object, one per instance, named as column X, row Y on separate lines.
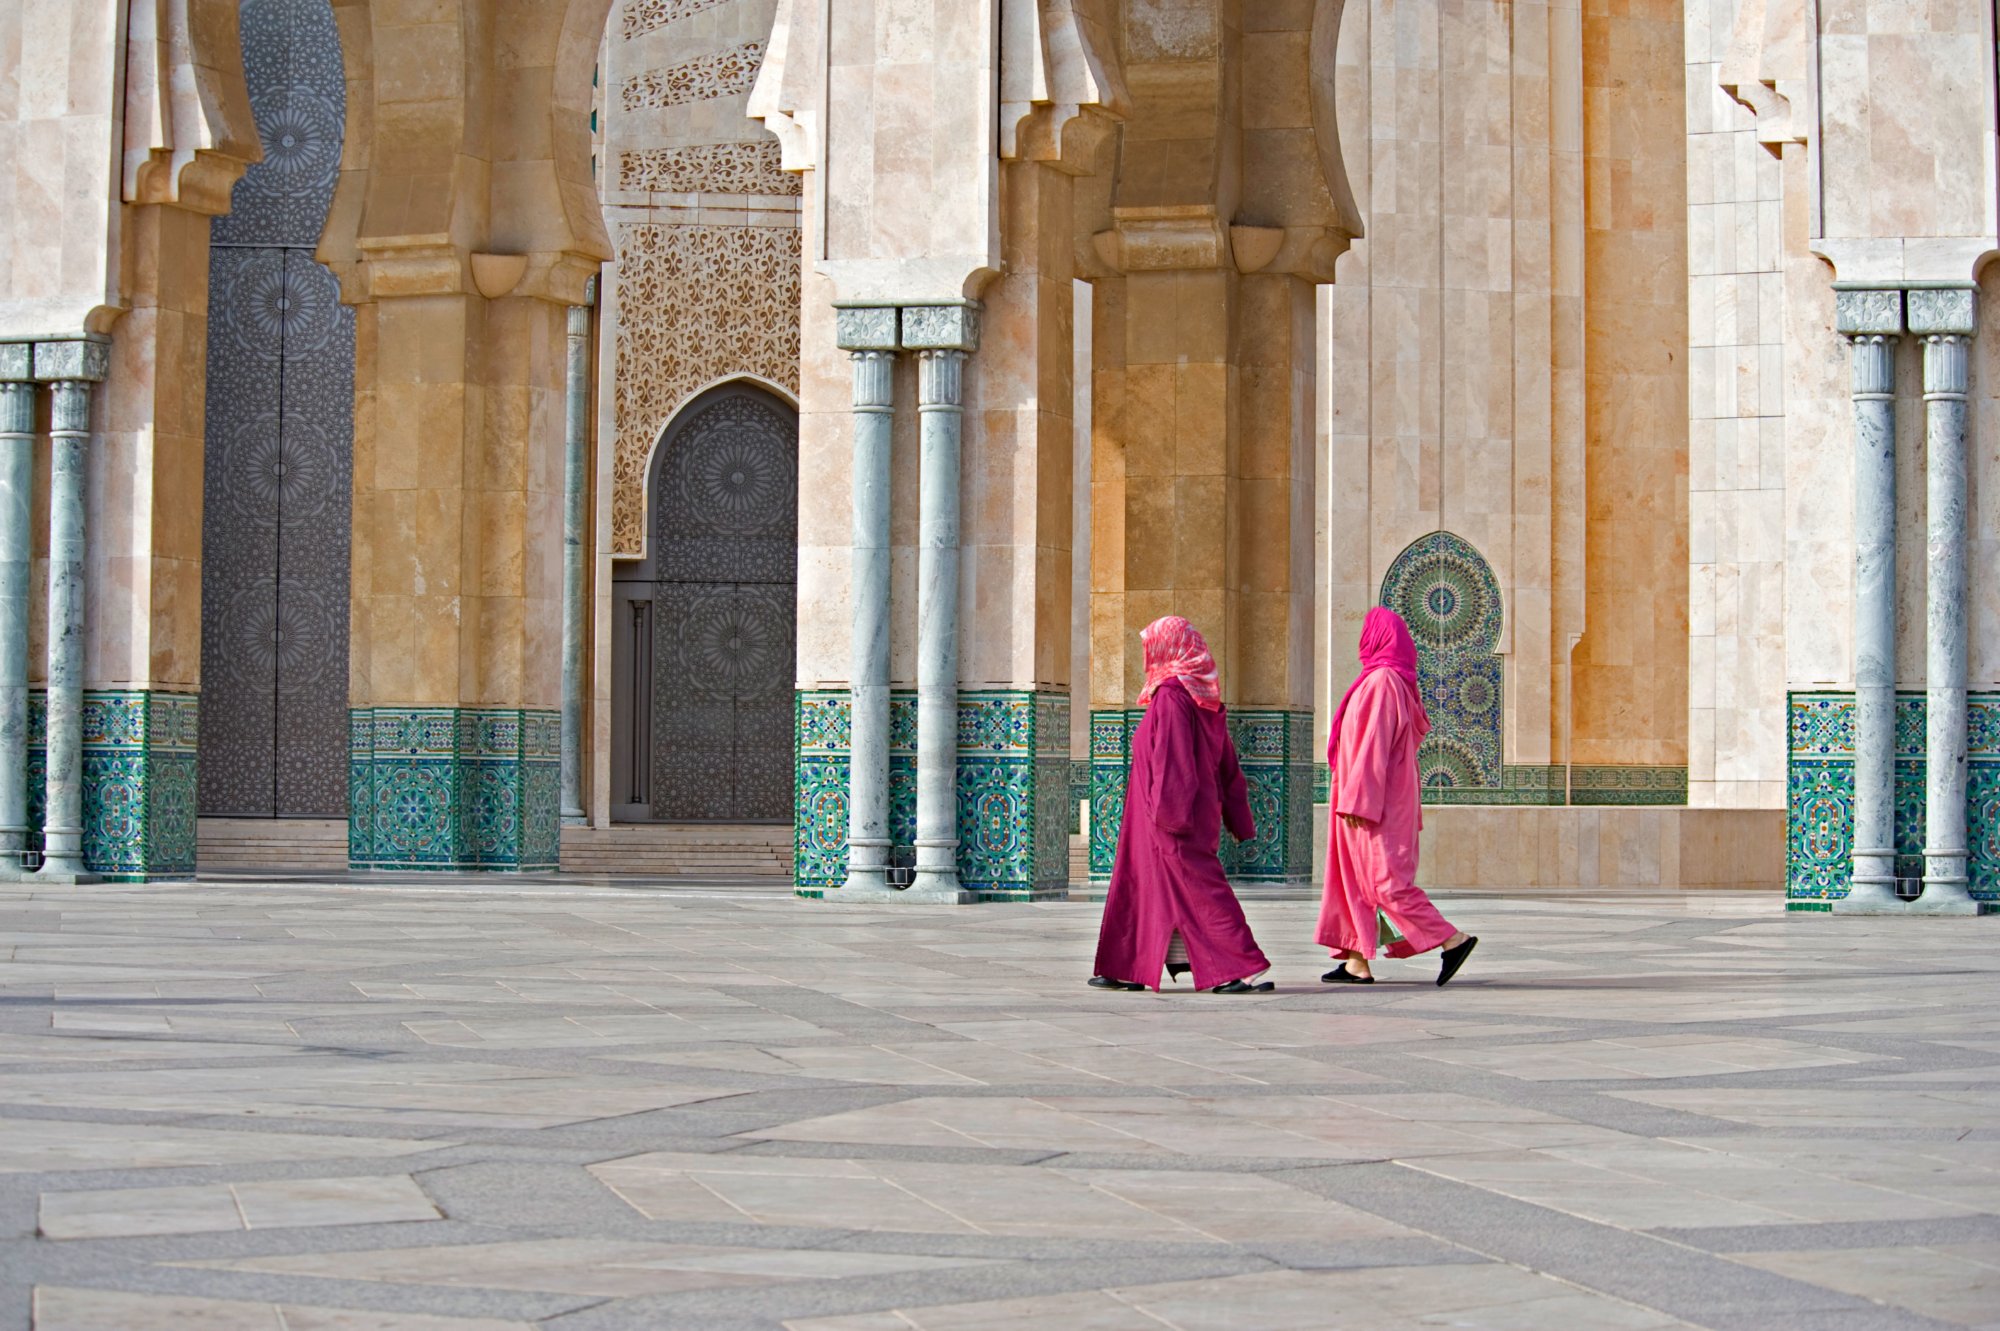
column 278, row 454
column 705, row 628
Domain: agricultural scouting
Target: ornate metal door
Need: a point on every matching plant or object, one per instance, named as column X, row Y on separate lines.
column 724, row 617
column 279, row 448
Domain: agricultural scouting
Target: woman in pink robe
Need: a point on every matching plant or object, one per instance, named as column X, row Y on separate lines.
column 1371, row 862
column 1167, row 883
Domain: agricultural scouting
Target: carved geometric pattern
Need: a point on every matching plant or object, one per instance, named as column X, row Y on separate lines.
column 717, row 74
column 725, row 610
column 642, row 16
column 710, row 168
column 695, row 304
column 279, row 444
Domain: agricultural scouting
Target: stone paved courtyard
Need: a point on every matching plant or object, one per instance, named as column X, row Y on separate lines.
column 452, row 1108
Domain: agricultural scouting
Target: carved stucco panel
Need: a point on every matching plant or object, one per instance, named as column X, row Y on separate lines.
column 696, row 304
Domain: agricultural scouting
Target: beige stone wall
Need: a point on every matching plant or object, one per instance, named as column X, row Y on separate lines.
column 1455, row 327
column 1631, row 672
column 1736, row 436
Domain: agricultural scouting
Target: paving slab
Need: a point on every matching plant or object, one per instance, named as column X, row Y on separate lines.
column 466, row 1105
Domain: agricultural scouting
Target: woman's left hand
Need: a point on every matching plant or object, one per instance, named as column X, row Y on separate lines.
column 1355, row 821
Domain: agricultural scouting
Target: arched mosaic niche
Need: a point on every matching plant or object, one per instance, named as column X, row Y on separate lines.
column 1446, row 592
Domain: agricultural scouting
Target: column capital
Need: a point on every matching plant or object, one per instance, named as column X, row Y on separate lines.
column 84, row 358
column 865, row 327
column 1868, row 312
column 17, row 362
column 1942, row 311
column 951, row 326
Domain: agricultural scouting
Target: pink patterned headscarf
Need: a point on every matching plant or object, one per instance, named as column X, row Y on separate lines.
column 1175, row 649
column 1386, row 644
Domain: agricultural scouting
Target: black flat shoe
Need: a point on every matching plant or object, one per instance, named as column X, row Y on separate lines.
column 1454, row 957
column 1176, row 969
column 1244, row 987
column 1106, row 982
column 1342, row 975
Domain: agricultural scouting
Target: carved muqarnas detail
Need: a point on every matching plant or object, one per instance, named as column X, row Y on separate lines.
column 695, row 304
column 719, row 74
column 642, row 16
column 711, row 168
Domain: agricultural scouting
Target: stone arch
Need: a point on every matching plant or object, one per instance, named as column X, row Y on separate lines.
column 1445, row 590
column 704, row 627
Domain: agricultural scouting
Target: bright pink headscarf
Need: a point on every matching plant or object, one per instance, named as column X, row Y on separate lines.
column 1386, row 644
column 1175, row 649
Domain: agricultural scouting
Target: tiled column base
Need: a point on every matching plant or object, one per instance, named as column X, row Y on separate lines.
column 1276, row 750
column 1013, row 791
column 138, row 782
column 1819, row 822
column 454, row 788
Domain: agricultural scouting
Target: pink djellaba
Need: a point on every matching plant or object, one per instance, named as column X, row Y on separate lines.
column 1373, row 753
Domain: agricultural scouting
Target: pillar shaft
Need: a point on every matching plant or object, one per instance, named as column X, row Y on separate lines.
column 69, row 440
column 1945, row 321
column 940, row 418
column 1874, row 365
column 17, row 485
column 576, row 493
column 868, row 759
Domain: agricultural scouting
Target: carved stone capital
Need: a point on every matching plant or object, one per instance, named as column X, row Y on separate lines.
column 87, row 359
column 952, row 327
column 865, row 327
column 1872, row 311
column 1936, row 311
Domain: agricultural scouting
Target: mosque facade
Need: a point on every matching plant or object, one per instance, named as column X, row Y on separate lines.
column 699, row 436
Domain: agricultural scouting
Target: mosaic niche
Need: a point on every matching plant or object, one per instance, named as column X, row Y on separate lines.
column 1013, row 791
column 453, row 788
column 138, row 782
column 1446, row 592
column 695, row 304
column 1819, row 819
column 278, row 453
column 1275, row 748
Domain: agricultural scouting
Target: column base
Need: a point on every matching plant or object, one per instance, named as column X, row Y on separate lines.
column 139, row 783
column 59, row 877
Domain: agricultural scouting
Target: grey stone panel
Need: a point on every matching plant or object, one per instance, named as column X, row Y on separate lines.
column 1857, row 312
column 1951, row 310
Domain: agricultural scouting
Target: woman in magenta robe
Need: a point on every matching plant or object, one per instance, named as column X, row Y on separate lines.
column 1167, row 889
column 1371, row 862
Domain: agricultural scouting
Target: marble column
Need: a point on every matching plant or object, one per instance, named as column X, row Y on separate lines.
column 1944, row 319
column 943, row 336
column 1872, row 322
column 576, row 496
column 17, row 488
column 869, row 336
column 72, row 367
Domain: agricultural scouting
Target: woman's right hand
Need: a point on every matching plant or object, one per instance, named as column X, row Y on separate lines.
column 1356, row 821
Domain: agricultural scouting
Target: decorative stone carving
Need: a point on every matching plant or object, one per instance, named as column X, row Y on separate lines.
column 1936, row 312
column 718, row 74
column 710, row 168
column 941, row 327
column 695, row 304
column 1861, row 312
column 643, row 16
column 865, row 328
